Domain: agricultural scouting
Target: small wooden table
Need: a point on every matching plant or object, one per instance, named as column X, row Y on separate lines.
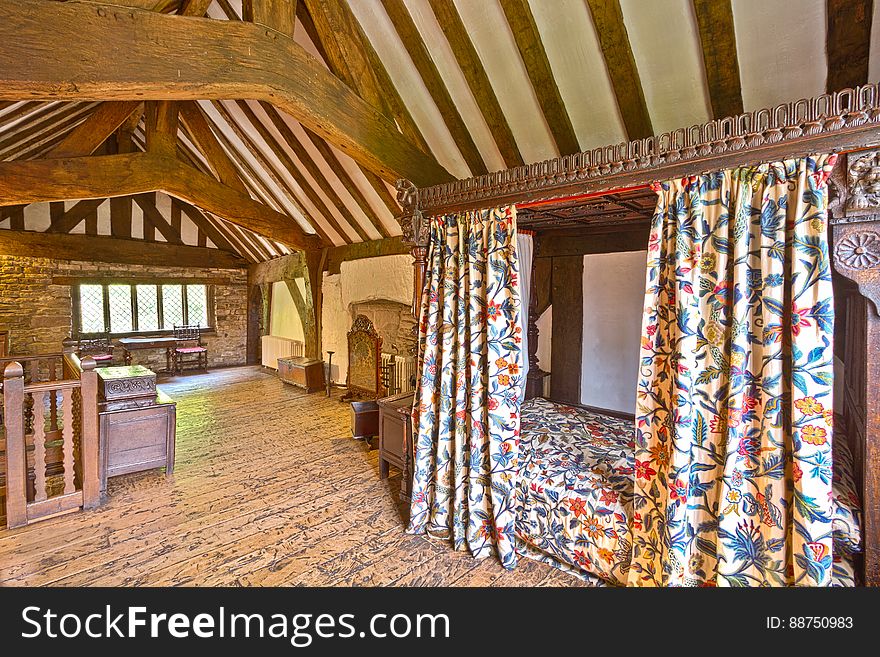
column 168, row 343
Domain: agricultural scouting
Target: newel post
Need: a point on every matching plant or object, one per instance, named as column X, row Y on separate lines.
column 855, row 241
column 91, row 484
column 16, row 456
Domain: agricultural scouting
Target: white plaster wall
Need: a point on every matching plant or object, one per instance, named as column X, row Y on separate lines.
column 614, row 294
column 545, row 341
column 285, row 321
column 368, row 279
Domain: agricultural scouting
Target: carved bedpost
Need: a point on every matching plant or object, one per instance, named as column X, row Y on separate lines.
column 415, row 235
column 535, row 376
column 855, row 218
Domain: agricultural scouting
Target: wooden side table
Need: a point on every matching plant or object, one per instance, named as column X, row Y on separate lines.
column 395, row 438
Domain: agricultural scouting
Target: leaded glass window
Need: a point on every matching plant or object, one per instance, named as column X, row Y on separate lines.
column 119, row 298
column 91, row 304
column 172, row 306
column 121, row 308
column 147, row 307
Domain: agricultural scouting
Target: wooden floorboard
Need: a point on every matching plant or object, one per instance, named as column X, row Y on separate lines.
column 269, row 489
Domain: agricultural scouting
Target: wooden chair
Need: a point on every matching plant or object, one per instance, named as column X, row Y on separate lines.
column 189, row 349
column 99, row 348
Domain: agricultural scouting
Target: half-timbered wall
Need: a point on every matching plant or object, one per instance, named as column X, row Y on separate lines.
column 38, row 312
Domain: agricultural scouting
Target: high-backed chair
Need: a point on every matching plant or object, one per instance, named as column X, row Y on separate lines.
column 189, row 349
column 100, row 348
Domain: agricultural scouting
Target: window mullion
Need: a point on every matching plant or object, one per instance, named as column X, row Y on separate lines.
column 134, row 308
column 160, row 310
column 106, row 293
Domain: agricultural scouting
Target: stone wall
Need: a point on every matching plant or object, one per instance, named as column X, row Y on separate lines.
column 38, row 313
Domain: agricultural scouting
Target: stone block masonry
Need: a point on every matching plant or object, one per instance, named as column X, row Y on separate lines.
column 38, row 314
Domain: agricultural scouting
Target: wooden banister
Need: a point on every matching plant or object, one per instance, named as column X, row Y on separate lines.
column 16, row 456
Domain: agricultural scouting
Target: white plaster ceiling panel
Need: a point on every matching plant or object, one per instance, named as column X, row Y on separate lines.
column 329, row 175
column 409, row 84
column 780, row 46
column 489, row 32
column 669, row 61
column 575, row 56
column 440, row 51
column 279, row 190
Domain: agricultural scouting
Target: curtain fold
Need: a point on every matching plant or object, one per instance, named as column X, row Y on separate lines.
column 734, row 401
column 466, row 412
column 524, row 254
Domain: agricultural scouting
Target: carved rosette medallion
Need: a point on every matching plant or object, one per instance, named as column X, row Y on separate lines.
column 859, row 250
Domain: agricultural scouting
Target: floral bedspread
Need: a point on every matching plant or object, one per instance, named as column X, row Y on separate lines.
column 847, row 513
column 574, row 495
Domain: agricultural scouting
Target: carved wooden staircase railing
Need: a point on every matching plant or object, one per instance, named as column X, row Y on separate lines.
column 49, row 437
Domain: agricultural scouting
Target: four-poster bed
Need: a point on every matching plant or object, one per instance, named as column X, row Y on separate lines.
column 559, row 199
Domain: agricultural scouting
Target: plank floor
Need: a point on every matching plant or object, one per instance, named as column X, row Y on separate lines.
column 269, row 489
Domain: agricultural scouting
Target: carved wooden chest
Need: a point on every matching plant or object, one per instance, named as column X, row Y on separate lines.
column 305, row 373
column 126, row 382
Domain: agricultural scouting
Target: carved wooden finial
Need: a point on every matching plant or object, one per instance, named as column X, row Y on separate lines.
column 88, row 363
column 412, row 221
column 13, row 370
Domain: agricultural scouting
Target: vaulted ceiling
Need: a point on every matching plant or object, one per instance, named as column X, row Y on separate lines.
column 479, row 85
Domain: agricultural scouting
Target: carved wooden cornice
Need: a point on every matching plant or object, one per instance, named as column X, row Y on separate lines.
column 844, row 120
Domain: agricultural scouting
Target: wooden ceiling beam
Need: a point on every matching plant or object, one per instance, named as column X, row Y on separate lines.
column 205, row 225
column 478, row 81
column 117, row 175
column 621, row 64
column 199, row 131
column 718, row 42
column 101, row 248
column 351, row 57
column 194, row 7
column 332, row 161
column 95, row 130
column 305, row 158
column 421, row 58
column 160, row 127
column 848, row 42
column 71, row 218
column 268, row 169
column 279, row 15
column 57, row 51
column 531, row 49
column 151, row 214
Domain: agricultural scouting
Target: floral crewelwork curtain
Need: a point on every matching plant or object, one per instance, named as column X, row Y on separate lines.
column 466, row 411
column 734, row 407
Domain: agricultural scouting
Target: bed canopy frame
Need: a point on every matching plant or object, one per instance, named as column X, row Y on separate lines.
column 601, row 195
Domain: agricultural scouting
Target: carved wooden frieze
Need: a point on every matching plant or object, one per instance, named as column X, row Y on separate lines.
column 838, row 121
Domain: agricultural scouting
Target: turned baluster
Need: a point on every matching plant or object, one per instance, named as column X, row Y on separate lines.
column 40, row 445
column 67, row 439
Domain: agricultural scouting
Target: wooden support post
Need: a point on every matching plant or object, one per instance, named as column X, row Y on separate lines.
column 91, row 484
column 16, row 458
column 535, row 376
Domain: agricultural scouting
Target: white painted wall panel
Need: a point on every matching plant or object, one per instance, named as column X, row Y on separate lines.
column 614, row 294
